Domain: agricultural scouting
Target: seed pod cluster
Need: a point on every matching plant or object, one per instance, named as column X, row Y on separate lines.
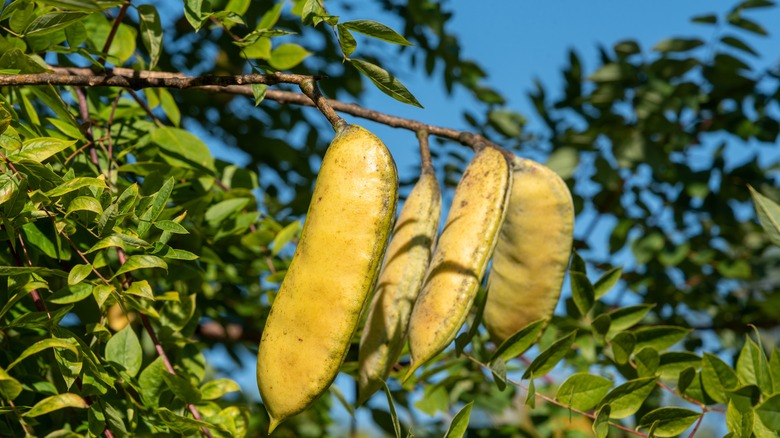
column 511, row 210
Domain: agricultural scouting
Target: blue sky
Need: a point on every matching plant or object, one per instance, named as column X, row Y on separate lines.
column 517, row 42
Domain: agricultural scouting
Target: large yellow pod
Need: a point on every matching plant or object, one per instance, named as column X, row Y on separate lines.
column 533, row 251
column 461, row 256
column 335, row 266
column 399, row 283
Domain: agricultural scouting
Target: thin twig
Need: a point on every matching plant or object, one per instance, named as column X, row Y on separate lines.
column 112, row 33
column 425, row 151
column 25, row 427
column 698, row 423
column 169, row 367
column 556, row 402
column 310, row 89
column 238, row 84
column 136, row 80
column 84, row 112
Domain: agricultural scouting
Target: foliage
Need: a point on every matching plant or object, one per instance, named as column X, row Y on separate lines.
column 129, row 251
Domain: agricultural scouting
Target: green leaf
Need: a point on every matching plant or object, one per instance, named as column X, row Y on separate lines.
column 171, row 227
column 386, row 82
column 141, row 289
column 678, row 45
column 224, row 209
column 669, row 422
column 601, row 422
column 151, row 32
column 71, row 294
column 739, row 45
column 269, row 19
column 705, row 19
column 40, row 149
column 768, row 214
column 84, row 203
column 606, row 282
column 258, row 91
column 181, row 424
column 748, row 25
column 43, row 345
column 659, row 337
column 215, row 389
column 170, row 108
column 10, row 388
column 530, row 399
column 182, row 388
column 74, row 5
column 647, row 360
column 519, row 342
column 159, row 200
column 376, row 30
column 744, row 397
column 393, row 413
column 151, row 383
column 673, row 363
column 739, row 422
column 769, row 412
column 182, row 148
column 118, row 241
column 623, row 345
column 626, row 317
column 608, row 73
column 287, row 56
column 582, row 292
column 141, row 262
column 583, row 391
column 752, row 366
column 193, row 12
column 56, row 402
column 79, row 273
column 626, row 399
column 6, row 271
column 774, row 369
column 285, row 236
column 124, row 349
column 346, row 40
column 717, row 377
column 550, row 357
column 48, row 23
column 460, row 422
column 498, row 369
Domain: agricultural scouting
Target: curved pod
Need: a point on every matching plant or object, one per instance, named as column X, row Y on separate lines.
column 533, row 251
column 461, row 257
column 335, row 266
column 399, row 283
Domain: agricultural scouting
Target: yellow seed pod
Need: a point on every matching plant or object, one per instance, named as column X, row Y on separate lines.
column 461, row 256
column 334, row 268
column 533, row 251
column 399, row 283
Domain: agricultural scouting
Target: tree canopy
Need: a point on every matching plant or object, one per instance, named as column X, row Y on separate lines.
column 129, row 251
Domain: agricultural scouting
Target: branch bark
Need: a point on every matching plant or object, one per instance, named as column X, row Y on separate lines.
column 236, row 84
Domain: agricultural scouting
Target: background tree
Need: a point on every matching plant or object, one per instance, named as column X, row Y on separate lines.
column 129, row 249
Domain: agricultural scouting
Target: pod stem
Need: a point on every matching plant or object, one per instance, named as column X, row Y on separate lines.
column 310, row 89
column 425, row 151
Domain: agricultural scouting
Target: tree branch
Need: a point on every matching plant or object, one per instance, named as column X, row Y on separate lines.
column 236, row 84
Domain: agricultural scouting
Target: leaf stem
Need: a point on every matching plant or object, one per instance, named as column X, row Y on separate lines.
column 425, row 151
column 310, row 89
